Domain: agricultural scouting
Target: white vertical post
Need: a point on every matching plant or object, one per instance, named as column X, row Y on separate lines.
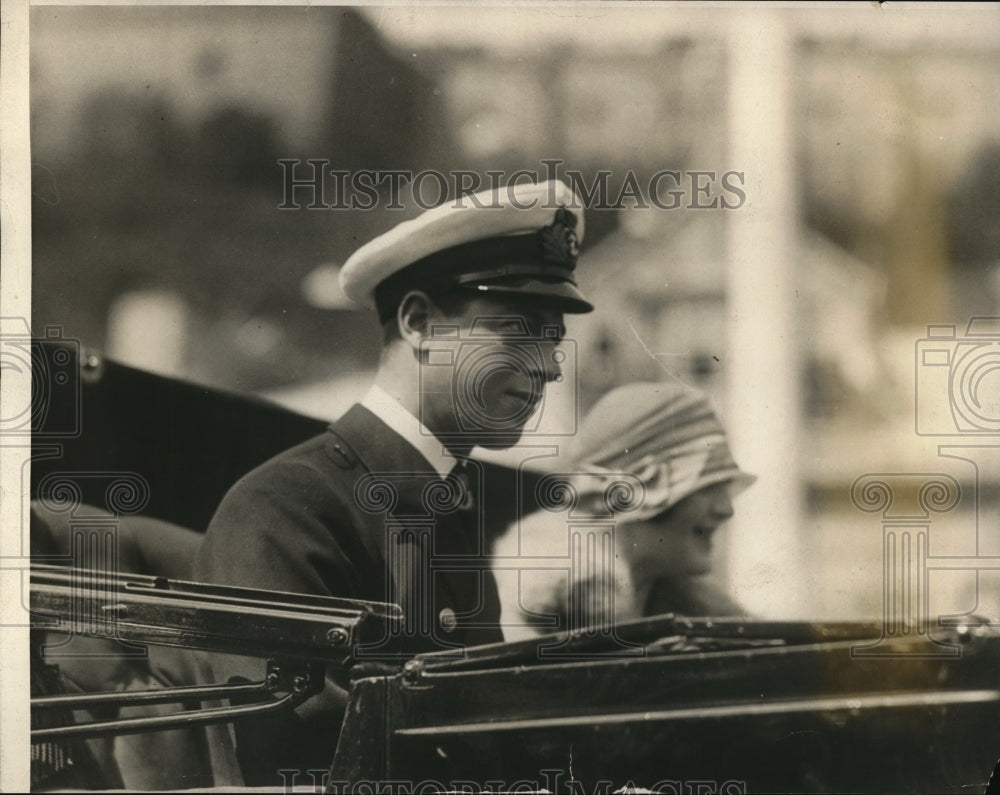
column 767, row 568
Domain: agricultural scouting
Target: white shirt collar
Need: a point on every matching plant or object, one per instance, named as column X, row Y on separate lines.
column 391, row 412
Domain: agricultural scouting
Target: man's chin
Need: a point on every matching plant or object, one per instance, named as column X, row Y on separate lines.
column 500, row 441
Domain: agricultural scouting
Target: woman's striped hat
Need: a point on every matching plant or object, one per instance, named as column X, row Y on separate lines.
column 665, row 434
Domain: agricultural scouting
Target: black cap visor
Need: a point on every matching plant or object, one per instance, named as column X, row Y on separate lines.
column 564, row 294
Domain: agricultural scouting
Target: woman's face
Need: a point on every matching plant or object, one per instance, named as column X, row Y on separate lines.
column 679, row 541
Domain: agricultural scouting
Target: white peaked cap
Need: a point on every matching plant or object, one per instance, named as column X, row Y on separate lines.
column 514, row 239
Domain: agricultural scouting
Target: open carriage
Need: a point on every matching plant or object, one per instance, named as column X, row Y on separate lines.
column 669, row 704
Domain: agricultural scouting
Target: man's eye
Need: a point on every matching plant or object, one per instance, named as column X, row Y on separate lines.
column 527, row 329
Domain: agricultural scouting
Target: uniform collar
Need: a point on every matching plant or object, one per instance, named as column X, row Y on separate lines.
column 392, row 413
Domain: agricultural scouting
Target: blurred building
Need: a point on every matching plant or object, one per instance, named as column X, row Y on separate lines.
column 156, row 137
column 156, row 149
column 197, row 61
column 881, row 137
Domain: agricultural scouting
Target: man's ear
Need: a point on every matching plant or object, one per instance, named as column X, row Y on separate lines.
column 414, row 316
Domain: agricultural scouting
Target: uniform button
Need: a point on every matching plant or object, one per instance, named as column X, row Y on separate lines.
column 448, row 620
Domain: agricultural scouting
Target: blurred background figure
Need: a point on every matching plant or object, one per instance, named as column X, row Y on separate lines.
column 668, row 437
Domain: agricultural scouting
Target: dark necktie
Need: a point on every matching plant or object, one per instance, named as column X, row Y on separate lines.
column 466, row 497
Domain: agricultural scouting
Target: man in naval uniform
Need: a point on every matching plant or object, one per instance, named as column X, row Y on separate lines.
column 471, row 297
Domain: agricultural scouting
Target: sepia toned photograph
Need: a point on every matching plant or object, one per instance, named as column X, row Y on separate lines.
column 529, row 398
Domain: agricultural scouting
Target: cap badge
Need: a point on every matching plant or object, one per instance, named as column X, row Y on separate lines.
column 558, row 240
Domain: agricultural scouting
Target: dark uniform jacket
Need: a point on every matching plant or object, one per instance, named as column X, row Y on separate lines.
column 356, row 512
